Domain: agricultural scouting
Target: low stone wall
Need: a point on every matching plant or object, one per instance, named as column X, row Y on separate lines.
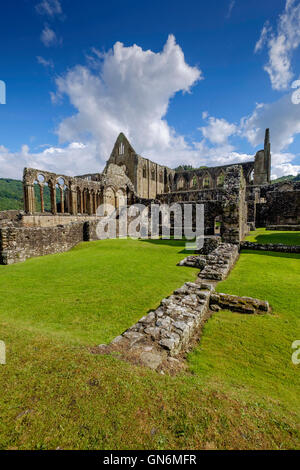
column 238, row 304
column 20, row 243
column 165, row 332
column 50, row 220
column 288, row 228
column 216, row 265
column 279, row 247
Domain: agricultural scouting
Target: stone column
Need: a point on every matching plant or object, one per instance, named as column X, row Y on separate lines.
column 89, row 203
column 29, row 198
column 53, row 198
column 95, row 202
column 62, row 202
column 81, row 201
column 42, row 198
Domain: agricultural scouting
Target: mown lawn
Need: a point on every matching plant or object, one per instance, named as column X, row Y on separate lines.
column 240, row 391
column 93, row 292
column 261, row 235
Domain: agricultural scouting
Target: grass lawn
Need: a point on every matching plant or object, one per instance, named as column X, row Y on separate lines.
column 93, row 292
column 261, row 235
column 240, row 391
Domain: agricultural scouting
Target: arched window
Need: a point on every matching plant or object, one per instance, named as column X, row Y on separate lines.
column 161, row 177
column 153, row 174
column 193, row 182
column 206, row 181
column 181, row 183
column 144, row 172
column 220, row 179
column 121, row 149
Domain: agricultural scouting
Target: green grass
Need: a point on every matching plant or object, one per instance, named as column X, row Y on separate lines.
column 93, row 292
column 261, row 235
column 252, row 354
column 241, row 390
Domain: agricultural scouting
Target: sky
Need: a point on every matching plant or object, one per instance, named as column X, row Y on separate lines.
column 191, row 82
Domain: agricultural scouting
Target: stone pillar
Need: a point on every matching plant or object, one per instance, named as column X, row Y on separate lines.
column 95, row 203
column 234, row 215
column 42, row 198
column 62, row 202
column 73, row 209
column 29, row 198
column 81, row 201
column 89, row 203
column 53, row 198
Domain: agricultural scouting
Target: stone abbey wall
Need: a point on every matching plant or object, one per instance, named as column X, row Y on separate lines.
column 279, row 204
column 20, row 243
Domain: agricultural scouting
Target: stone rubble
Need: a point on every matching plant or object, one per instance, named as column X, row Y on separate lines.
column 167, row 330
column 216, row 265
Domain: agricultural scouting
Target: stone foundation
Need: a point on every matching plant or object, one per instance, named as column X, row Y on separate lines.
column 216, row 265
column 279, row 247
column 238, row 304
column 166, row 331
column 283, row 228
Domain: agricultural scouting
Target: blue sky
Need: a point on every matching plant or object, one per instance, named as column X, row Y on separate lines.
column 192, row 90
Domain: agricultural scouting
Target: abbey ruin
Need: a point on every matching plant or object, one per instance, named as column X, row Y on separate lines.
column 236, row 199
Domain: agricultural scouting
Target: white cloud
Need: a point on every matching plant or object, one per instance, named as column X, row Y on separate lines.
column 281, row 45
column 218, row 130
column 130, row 92
column 49, row 37
column 65, row 160
column 46, row 63
column 49, row 7
column 283, row 119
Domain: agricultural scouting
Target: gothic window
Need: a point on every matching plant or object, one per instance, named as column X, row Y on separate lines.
column 153, row 174
column 180, row 183
column 206, row 181
column 121, row 149
column 161, row 177
column 220, row 179
column 144, row 172
column 193, row 183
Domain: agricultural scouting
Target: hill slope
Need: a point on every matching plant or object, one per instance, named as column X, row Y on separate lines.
column 11, row 195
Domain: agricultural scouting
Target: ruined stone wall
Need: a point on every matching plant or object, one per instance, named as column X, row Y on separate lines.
column 20, row 243
column 207, row 178
column 45, row 220
column 279, row 205
column 147, row 177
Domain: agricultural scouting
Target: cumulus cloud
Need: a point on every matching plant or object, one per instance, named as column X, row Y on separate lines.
column 49, row 37
column 65, row 160
column 130, row 92
column 49, row 7
column 218, row 130
column 281, row 45
column 283, row 119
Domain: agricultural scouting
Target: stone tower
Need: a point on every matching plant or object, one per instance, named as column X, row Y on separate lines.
column 262, row 163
